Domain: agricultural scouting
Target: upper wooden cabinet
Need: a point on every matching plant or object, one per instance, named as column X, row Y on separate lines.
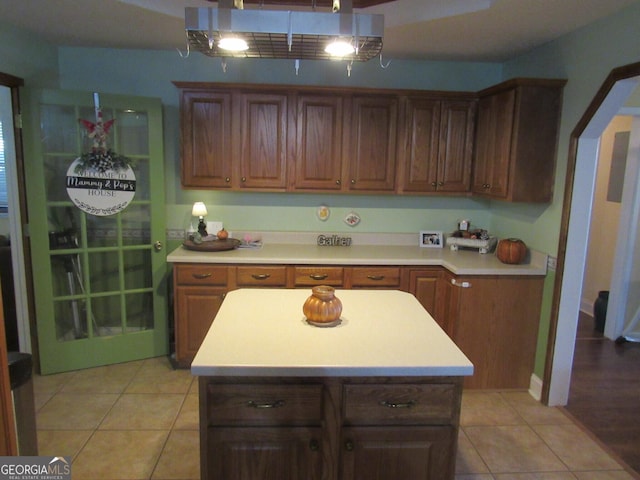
column 317, row 163
column 516, row 140
column 437, row 146
column 206, row 138
column 263, row 144
column 371, row 141
column 315, row 139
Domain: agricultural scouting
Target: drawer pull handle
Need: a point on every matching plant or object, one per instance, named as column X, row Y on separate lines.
column 376, row 278
column 260, row 276
column 388, row 404
column 318, row 276
column 349, row 446
column 314, row 445
column 201, row 276
column 276, row 404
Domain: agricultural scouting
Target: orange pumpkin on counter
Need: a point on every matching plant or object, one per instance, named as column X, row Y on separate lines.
column 511, row 251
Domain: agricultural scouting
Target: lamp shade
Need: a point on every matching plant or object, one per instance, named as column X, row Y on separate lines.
column 199, row 209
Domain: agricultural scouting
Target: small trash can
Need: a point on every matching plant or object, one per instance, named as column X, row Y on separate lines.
column 600, row 310
column 21, row 378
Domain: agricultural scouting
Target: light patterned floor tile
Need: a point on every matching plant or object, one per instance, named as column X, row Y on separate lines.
column 143, row 412
column 513, row 449
column 62, row 443
column 188, row 418
column 74, row 411
column 467, row 458
column 481, row 408
column 107, row 379
column 180, row 458
column 534, row 412
column 575, row 448
column 119, row 455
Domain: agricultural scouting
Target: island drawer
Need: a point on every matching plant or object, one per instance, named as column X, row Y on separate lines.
column 258, row 276
column 250, row 404
column 318, row 276
column 376, row 404
column 200, row 274
column 375, row 277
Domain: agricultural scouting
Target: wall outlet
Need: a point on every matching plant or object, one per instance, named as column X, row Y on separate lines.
column 213, row 227
column 552, row 262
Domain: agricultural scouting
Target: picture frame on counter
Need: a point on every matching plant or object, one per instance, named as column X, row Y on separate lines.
column 431, row 239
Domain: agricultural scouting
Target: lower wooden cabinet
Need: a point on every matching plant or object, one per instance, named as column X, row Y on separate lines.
column 383, row 428
column 393, row 453
column 493, row 319
column 496, row 322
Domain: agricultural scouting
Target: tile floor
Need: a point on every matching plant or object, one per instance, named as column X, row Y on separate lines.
column 139, row 420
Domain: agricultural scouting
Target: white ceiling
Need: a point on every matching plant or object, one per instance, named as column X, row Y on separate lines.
column 414, row 29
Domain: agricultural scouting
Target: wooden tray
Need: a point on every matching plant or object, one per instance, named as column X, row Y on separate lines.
column 213, row 245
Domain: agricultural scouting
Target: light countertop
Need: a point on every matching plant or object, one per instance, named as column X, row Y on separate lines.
column 394, row 251
column 263, row 332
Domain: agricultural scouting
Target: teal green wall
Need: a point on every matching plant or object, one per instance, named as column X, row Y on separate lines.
column 584, row 57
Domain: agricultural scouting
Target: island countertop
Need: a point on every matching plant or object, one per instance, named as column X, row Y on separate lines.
column 263, row 332
column 461, row 262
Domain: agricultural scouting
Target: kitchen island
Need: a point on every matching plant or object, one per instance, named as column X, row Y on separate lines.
column 377, row 396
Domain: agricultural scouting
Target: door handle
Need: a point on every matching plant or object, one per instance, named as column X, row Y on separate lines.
column 157, row 245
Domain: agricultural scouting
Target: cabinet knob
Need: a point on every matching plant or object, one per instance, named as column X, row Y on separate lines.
column 349, row 446
column 353, row 182
column 227, row 179
column 440, row 184
column 244, row 179
column 434, row 184
column 314, row 445
column 338, row 182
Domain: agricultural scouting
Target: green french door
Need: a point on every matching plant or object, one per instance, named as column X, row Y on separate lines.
column 99, row 279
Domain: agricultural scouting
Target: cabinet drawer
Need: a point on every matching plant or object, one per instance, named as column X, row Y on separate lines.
column 200, row 275
column 376, row 277
column 264, row 404
column 400, row 404
column 257, row 276
column 319, row 276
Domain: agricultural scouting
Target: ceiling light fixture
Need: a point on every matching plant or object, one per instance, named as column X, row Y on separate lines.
column 340, row 48
column 296, row 35
column 233, row 44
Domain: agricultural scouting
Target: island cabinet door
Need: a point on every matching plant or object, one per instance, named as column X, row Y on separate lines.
column 393, row 453
column 265, row 453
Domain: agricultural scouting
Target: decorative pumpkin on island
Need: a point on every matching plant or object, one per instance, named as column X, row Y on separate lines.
column 322, row 308
column 511, row 251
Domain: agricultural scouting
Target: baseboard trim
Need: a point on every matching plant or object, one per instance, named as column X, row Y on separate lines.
column 535, row 387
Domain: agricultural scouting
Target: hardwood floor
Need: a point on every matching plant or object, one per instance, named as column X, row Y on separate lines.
column 605, row 390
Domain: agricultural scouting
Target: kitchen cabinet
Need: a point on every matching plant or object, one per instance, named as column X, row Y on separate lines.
column 375, row 277
column 263, row 145
column 437, row 145
column 429, row 286
column 318, row 160
column 496, row 323
column 516, row 140
column 330, row 428
column 206, row 132
column 371, row 139
column 198, row 294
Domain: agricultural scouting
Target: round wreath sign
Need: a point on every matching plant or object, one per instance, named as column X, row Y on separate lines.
column 100, row 182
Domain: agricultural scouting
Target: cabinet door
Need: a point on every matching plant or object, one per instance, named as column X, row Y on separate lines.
column 493, row 144
column 420, row 145
column 264, row 453
column 372, row 143
column 496, row 326
column 455, row 148
column 196, row 307
column 391, row 453
column 318, row 160
column 263, row 149
column 428, row 285
column 206, row 139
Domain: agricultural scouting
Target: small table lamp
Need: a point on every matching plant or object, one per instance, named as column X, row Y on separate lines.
column 200, row 210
